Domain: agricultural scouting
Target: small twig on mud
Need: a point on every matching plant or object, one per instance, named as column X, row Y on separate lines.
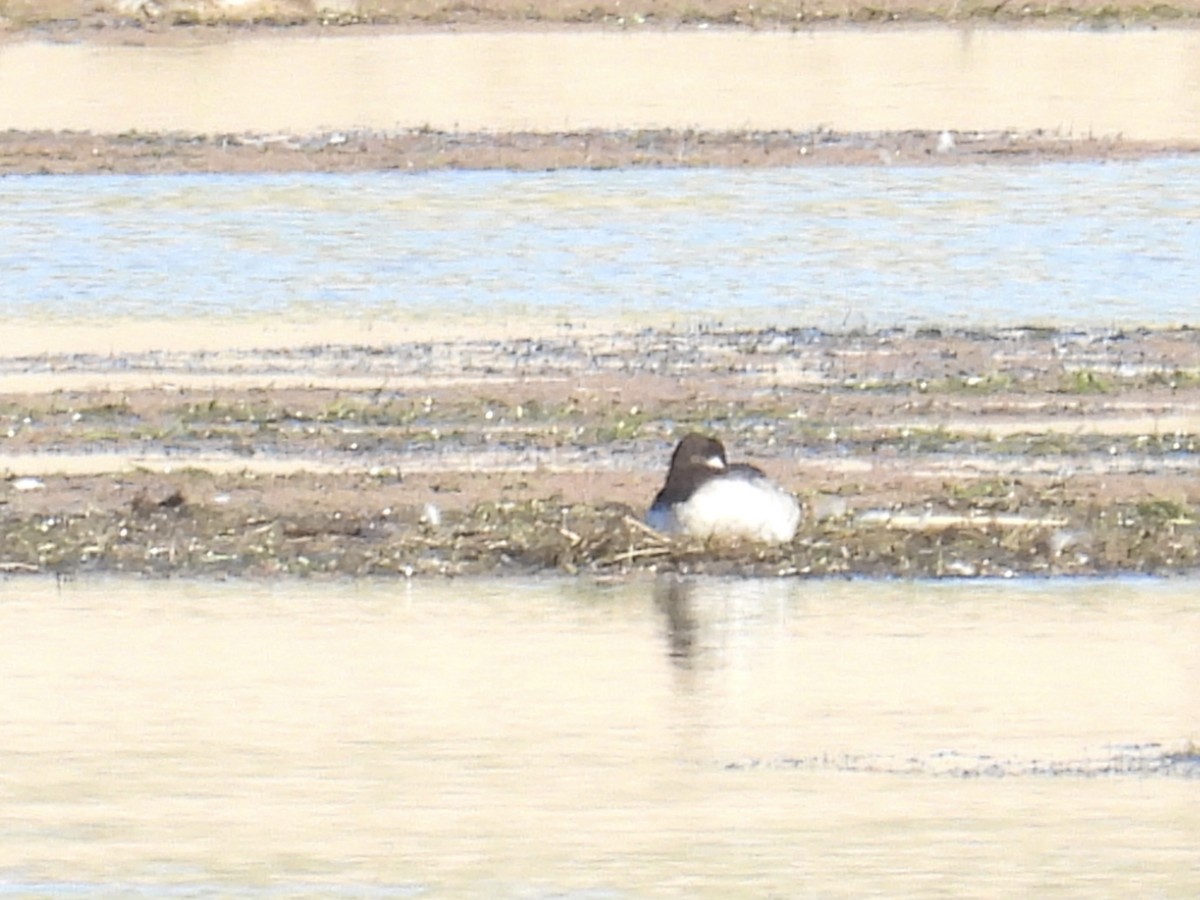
column 633, row 553
column 570, row 536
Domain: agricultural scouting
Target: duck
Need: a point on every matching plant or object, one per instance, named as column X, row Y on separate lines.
column 706, row 497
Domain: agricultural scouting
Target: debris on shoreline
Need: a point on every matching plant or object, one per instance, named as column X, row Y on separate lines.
column 915, row 454
column 172, row 537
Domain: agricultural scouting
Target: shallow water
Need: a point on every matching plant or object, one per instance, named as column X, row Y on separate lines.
column 505, row 738
column 1138, row 83
column 1076, row 245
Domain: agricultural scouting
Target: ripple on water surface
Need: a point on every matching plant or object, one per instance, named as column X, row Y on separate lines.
column 1070, row 245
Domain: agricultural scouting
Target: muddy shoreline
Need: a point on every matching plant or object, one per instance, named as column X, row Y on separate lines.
column 70, row 153
column 159, row 20
column 941, row 454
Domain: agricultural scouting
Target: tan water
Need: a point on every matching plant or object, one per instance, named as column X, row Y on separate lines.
column 482, row 739
column 1141, row 84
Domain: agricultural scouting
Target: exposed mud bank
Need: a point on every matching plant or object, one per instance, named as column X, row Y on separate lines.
column 167, row 534
column 109, row 16
column 1138, row 760
column 59, row 153
column 915, row 454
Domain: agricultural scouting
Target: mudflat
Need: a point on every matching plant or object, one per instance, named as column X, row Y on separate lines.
column 914, row 453
column 66, row 153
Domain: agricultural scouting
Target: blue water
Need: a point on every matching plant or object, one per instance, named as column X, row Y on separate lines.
column 1073, row 245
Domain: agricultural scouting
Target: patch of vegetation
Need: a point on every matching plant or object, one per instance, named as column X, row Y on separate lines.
column 926, row 440
column 1163, row 512
column 990, row 383
column 1050, row 444
column 993, row 494
column 239, row 411
column 1175, row 379
column 1084, row 381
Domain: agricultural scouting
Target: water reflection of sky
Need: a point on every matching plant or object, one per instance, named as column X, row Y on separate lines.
column 1073, row 245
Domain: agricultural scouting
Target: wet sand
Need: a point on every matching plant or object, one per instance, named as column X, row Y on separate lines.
column 944, row 454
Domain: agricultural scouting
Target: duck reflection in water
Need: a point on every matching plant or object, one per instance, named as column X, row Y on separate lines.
column 672, row 596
